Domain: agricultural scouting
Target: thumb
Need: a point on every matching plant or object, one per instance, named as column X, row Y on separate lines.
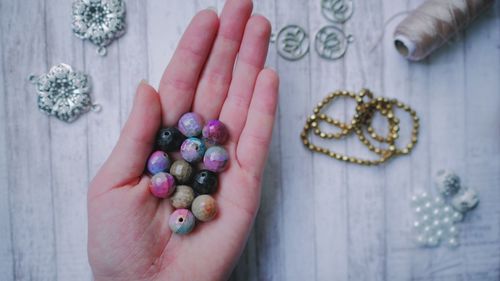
column 127, row 160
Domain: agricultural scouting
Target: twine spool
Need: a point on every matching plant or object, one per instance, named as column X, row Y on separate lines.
column 433, row 23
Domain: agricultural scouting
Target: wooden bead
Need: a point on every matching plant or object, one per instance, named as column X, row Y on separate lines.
column 182, row 197
column 182, row 171
column 204, row 208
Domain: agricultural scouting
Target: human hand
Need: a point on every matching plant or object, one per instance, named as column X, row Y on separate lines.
column 129, row 237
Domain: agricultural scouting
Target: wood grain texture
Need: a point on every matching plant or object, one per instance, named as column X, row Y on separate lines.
column 319, row 219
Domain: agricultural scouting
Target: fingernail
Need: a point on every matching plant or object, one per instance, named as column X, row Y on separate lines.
column 213, row 9
column 144, row 81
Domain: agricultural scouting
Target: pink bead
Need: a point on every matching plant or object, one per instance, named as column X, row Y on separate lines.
column 215, row 159
column 162, row 185
column 158, row 162
column 215, row 132
column 190, row 124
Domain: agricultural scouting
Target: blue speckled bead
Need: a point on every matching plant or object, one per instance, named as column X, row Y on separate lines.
column 191, row 124
column 192, row 150
column 158, row 162
column 215, row 159
column 181, row 221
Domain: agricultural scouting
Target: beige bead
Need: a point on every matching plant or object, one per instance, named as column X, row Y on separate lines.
column 182, row 197
column 181, row 170
column 204, row 208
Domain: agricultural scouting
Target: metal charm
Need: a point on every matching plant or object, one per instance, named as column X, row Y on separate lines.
column 331, row 42
column 337, row 11
column 292, row 42
column 99, row 21
column 447, row 182
column 63, row 93
column 467, row 199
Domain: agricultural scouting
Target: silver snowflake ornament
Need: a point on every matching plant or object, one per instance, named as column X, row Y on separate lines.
column 99, row 21
column 63, row 93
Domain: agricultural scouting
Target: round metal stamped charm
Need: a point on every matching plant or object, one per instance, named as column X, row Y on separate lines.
column 99, row 21
column 63, row 93
column 337, row 10
column 331, row 42
column 292, row 42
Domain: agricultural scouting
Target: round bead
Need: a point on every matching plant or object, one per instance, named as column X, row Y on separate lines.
column 205, row 182
column 182, row 197
column 446, row 220
column 438, row 201
column 215, row 132
column 169, row 139
column 181, row 221
column 162, row 185
column 432, row 241
column 204, row 208
column 456, row 217
column 452, row 242
column 191, row 124
column 466, row 200
column 158, row 162
column 181, row 170
column 215, row 159
column 447, row 182
column 452, row 230
column 436, row 212
column 192, row 150
column 417, row 224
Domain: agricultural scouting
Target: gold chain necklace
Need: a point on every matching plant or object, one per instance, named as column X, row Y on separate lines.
column 366, row 106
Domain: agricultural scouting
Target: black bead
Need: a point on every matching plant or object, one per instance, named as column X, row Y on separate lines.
column 169, row 139
column 205, row 182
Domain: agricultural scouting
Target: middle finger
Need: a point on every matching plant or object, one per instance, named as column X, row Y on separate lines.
column 216, row 77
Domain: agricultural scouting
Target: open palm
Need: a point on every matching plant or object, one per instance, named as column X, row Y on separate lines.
column 129, row 237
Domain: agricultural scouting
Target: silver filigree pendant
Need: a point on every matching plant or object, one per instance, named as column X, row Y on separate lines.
column 63, row 93
column 331, row 43
column 292, row 42
column 99, row 21
column 337, row 11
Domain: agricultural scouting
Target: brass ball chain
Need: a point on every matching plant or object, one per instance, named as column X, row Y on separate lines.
column 366, row 106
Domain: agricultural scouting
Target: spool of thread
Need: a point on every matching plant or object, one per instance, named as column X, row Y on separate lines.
column 433, row 23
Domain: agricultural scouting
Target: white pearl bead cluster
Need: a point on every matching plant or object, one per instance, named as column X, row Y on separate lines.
column 435, row 219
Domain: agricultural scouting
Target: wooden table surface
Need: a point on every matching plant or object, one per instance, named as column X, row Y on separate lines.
column 319, row 219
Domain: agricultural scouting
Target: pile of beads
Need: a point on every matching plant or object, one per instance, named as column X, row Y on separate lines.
column 435, row 219
column 189, row 190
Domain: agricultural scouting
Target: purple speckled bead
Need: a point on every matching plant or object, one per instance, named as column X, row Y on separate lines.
column 162, row 185
column 181, row 221
column 190, row 124
column 158, row 162
column 215, row 159
column 215, row 132
column 192, row 150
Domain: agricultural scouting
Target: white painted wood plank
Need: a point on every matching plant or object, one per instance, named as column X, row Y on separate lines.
column 298, row 217
column 68, row 155
column 366, row 185
column 132, row 51
column 329, row 175
column 480, row 253
column 29, row 151
column 6, row 257
column 399, row 182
